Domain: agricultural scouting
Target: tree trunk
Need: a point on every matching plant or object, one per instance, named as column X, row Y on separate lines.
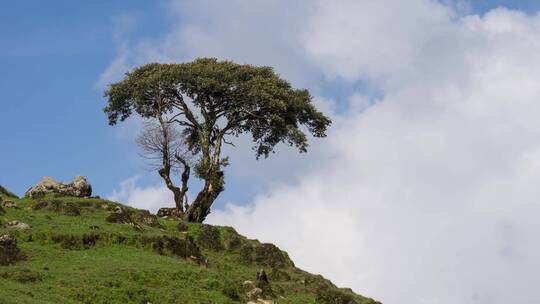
column 200, row 208
column 177, row 192
column 213, row 180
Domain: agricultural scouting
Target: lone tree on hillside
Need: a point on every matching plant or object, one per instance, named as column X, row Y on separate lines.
column 194, row 108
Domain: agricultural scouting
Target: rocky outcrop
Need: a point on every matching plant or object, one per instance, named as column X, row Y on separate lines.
column 169, row 212
column 78, row 188
column 134, row 217
column 7, row 203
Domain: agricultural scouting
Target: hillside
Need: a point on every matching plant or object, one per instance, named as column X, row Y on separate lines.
column 90, row 250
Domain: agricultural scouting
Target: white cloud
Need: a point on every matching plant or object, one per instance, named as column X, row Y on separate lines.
column 118, row 67
column 150, row 198
column 123, row 25
column 428, row 195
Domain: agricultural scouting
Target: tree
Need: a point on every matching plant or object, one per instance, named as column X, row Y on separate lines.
column 162, row 144
column 209, row 101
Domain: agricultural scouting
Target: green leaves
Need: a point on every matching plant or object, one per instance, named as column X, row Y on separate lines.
column 213, row 99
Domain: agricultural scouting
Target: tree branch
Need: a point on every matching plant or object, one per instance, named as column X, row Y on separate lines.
column 184, row 107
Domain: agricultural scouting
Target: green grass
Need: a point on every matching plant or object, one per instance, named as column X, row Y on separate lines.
column 80, row 257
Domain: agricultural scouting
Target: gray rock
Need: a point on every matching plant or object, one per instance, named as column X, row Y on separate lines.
column 7, row 240
column 249, row 285
column 254, row 293
column 18, row 225
column 79, row 187
column 9, row 204
column 168, row 212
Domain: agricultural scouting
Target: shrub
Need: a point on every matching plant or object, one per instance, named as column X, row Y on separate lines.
column 209, row 237
column 71, row 209
column 269, row 255
column 184, row 248
column 246, row 253
column 40, row 205
column 75, row 242
column 119, row 218
column 9, row 252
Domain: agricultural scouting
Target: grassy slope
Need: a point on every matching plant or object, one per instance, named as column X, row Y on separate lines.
column 125, row 265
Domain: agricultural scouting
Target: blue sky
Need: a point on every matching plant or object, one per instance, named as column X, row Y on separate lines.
column 52, row 124
column 51, row 55
column 435, row 147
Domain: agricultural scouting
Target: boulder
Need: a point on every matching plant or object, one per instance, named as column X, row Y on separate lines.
column 146, row 218
column 18, row 225
column 248, row 285
column 169, row 212
column 254, row 293
column 9, row 204
column 79, row 187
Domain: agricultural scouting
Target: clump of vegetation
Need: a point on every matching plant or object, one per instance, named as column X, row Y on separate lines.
column 180, row 247
column 209, row 237
column 76, row 242
column 232, row 291
column 120, row 216
column 71, row 209
column 4, row 191
column 233, row 242
column 269, row 255
column 58, row 206
column 23, row 275
column 9, row 252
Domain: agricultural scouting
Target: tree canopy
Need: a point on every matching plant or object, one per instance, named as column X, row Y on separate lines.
column 211, row 100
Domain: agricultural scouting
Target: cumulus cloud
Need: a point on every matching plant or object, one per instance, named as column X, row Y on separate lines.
column 144, row 197
column 427, row 193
